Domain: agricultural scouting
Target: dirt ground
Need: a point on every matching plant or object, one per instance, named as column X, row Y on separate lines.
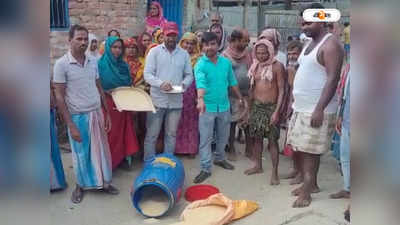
column 275, row 201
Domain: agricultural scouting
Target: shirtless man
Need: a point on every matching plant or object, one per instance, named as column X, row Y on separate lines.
column 273, row 35
column 266, row 95
column 313, row 121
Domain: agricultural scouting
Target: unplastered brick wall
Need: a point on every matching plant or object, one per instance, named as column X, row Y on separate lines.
column 100, row 16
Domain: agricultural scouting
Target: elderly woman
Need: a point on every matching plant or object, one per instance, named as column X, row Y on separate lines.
column 187, row 138
column 114, row 72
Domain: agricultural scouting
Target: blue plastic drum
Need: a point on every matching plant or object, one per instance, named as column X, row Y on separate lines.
column 162, row 180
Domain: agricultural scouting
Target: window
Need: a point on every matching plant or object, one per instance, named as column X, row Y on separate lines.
column 59, row 14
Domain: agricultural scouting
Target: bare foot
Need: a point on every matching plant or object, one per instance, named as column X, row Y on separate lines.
column 341, row 194
column 275, row 180
column 291, row 175
column 254, row 170
column 347, row 214
column 297, row 180
column 232, row 156
column 299, row 190
column 302, row 201
column 315, row 190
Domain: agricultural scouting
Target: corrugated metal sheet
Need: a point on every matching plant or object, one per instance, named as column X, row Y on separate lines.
column 222, row 3
column 254, row 2
column 173, row 11
column 285, row 21
column 233, row 17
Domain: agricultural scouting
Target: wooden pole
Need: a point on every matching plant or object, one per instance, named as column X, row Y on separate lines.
column 260, row 16
column 245, row 14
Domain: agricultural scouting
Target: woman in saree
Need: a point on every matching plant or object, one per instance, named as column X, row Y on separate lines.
column 135, row 62
column 155, row 17
column 114, row 73
column 187, row 137
column 136, row 66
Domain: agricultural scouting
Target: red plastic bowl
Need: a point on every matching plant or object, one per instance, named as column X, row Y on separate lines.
column 200, row 192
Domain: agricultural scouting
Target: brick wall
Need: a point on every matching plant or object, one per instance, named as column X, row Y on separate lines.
column 127, row 16
column 100, row 16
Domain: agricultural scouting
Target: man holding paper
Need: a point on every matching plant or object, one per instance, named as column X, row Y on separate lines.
column 169, row 72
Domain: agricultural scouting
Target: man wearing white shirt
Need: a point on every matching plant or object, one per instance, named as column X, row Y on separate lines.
column 168, row 70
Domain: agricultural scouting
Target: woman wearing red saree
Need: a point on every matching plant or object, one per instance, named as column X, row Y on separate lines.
column 136, row 66
column 114, row 73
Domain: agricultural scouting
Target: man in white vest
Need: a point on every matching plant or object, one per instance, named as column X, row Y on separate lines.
column 315, row 103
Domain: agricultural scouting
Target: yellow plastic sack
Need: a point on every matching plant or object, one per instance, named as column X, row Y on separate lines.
column 214, row 200
column 243, row 208
column 234, row 210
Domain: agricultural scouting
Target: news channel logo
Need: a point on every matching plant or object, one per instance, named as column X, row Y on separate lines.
column 321, row 15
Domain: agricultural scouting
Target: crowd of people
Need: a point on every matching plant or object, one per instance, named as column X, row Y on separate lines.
column 227, row 85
